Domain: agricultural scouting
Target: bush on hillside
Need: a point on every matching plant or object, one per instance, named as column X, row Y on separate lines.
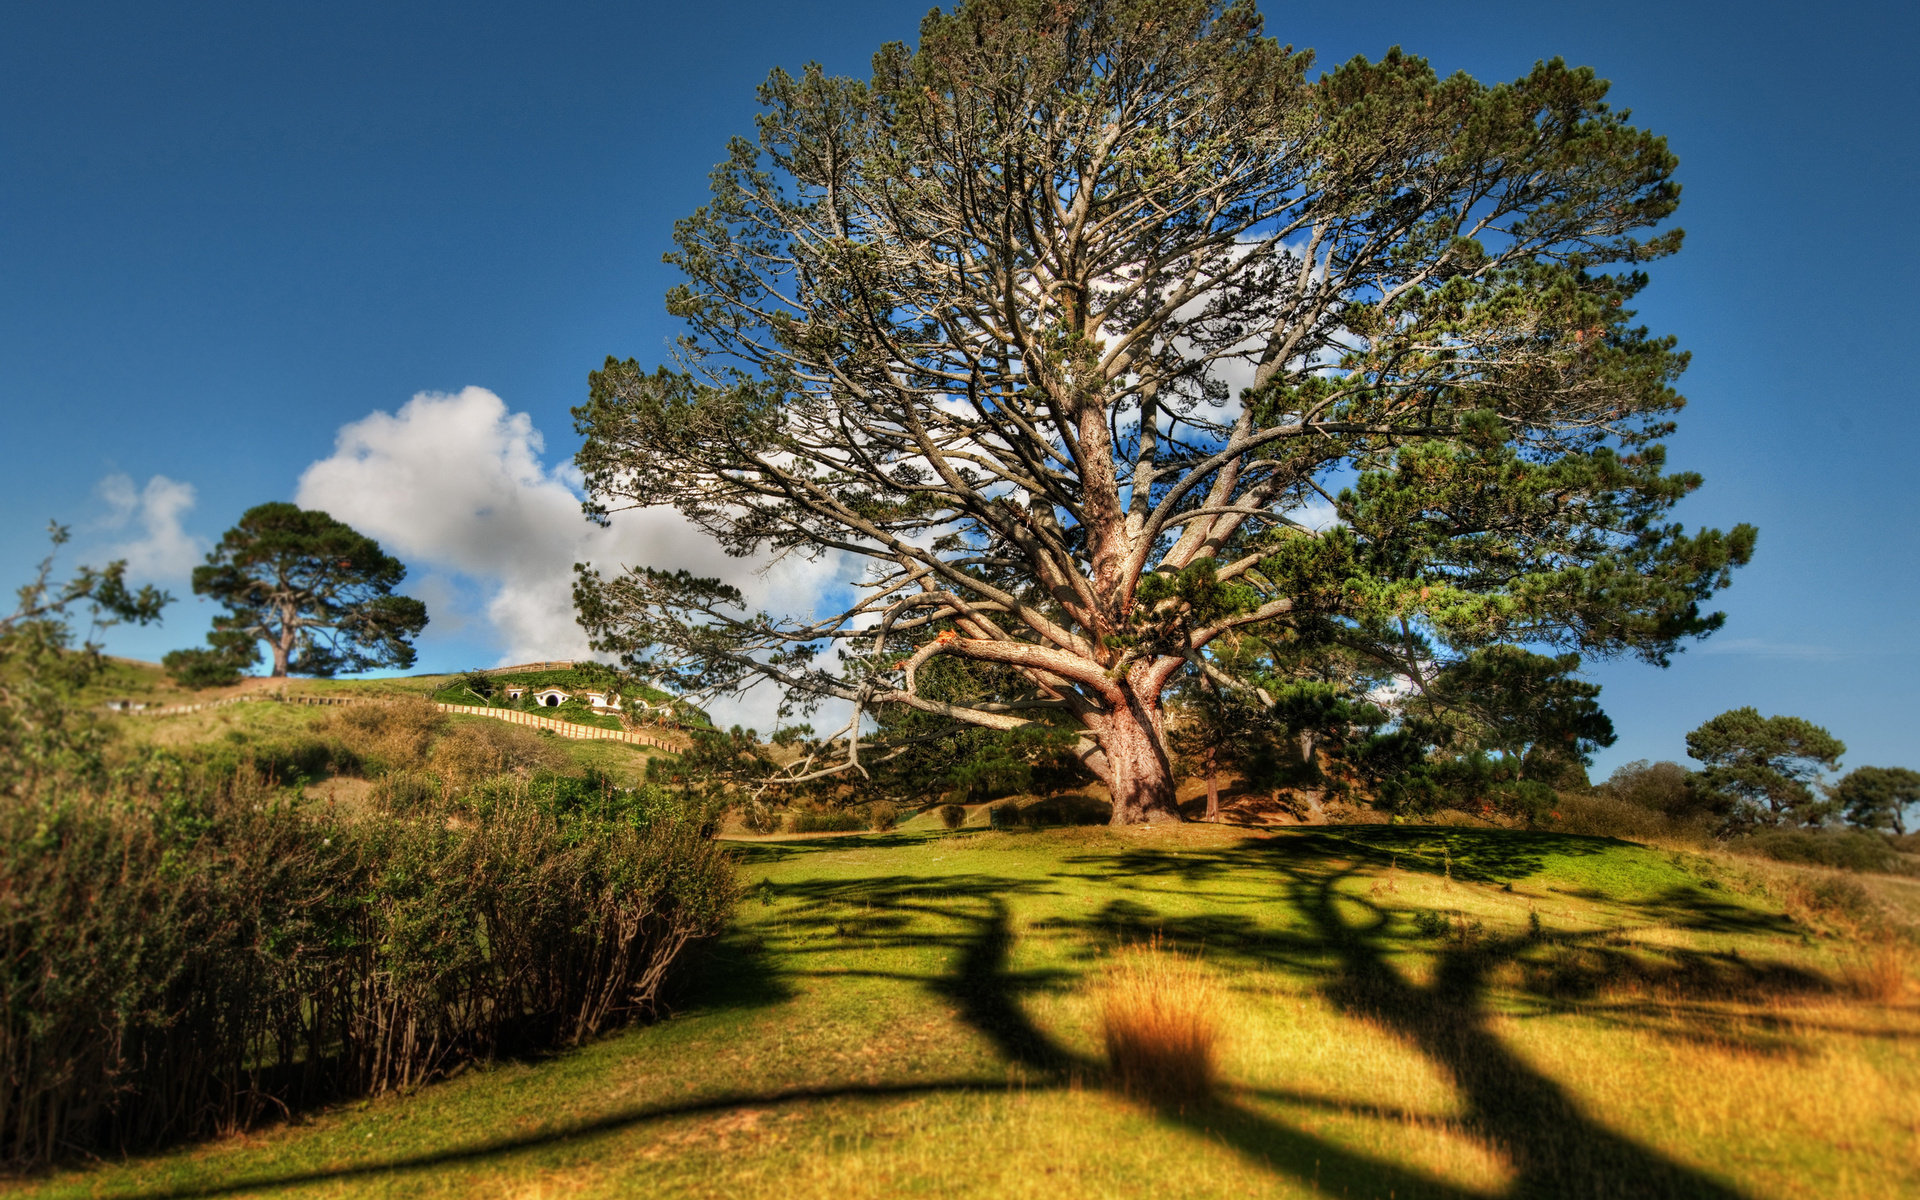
column 953, row 816
column 1603, row 814
column 201, row 668
column 882, row 816
column 1848, row 850
column 479, row 749
column 757, row 816
column 388, row 737
column 281, row 758
column 830, row 821
column 1479, row 784
column 191, row 953
column 1662, row 787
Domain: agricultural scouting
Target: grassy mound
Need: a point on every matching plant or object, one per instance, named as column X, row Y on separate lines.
column 1383, row 1010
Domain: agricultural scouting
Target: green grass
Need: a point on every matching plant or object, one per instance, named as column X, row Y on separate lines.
column 917, row 1013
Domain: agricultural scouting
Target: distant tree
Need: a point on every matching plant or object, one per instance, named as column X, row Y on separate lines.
column 1765, row 768
column 317, row 591
column 985, row 321
column 1878, row 797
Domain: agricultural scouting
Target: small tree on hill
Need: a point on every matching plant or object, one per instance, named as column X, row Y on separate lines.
column 318, row 592
column 1061, row 321
column 1879, row 797
column 1765, row 768
column 222, row 661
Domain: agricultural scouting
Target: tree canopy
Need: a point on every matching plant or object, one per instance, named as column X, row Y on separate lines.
column 1765, row 768
column 1104, row 334
column 317, row 591
column 1879, row 797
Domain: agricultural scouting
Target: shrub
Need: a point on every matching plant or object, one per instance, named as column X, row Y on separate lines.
column 1847, row 850
column 1604, row 814
column 827, row 822
column 190, row 953
column 481, row 748
column 1158, row 1015
column 1072, row 809
column 882, row 816
column 200, row 667
column 759, row 817
column 1004, row 816
column 953, row 816
column 389, row 737
column 1663, row 787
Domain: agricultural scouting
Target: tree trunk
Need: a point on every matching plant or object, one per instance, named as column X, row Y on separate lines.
column 1213, row 784
column 1139, row 773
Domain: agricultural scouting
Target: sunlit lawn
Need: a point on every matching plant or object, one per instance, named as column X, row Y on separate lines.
column 914, row 1013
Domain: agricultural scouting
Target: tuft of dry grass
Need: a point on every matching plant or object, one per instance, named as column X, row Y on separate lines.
column 1880, row 973
column 1160, row 1014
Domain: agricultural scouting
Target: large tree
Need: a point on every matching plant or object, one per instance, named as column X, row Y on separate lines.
column 1065, row 322
column 316, row 590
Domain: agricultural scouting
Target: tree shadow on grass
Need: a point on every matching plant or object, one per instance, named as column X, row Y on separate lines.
column 1555, row 1147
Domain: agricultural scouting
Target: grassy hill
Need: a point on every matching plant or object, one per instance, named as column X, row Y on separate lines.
column 277, row 733
column 1400, row 1011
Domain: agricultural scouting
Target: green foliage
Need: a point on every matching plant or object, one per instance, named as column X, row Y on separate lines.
column 1524, row 706
column 721, row 765
column 1763, row 768
column 953, row 816
column 319, row 593
column 222, row 662
column 1878, row 797
column 190, row 954
column 480, row 683
column 1478, row 783
column 1663, row 787
column 759, row 817
column 897, row 350
column 44, row 732
column 827, row 821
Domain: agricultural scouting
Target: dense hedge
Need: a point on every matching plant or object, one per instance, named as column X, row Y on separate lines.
column 187, row 953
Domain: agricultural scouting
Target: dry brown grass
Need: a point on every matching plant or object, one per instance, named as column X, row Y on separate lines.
column 1160, row 1015
column 478, row 749
column 389, row 737
column 1881, row 972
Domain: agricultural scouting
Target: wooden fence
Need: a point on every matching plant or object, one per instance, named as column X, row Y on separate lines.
column 564, row 728
column 568, row 729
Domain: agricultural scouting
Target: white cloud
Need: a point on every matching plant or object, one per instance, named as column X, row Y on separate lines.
column 163, row 551
column 454, row 485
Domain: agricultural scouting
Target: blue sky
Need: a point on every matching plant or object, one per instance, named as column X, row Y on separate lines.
column 228, row 233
